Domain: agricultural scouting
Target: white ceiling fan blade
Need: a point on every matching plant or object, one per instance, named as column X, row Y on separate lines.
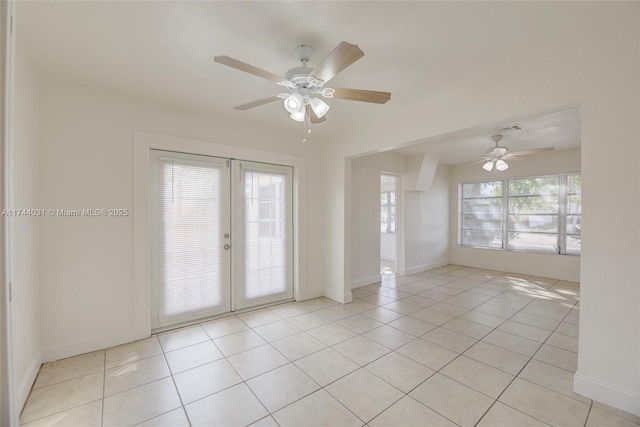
column 477, row 162
column 247, row 68
column 513, row 158
column 361, row 95
column 256, row 103
column 312, row 115
column 340, row 58
column 536, row 150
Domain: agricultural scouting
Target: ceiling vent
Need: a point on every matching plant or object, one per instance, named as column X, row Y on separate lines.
column 511, row 128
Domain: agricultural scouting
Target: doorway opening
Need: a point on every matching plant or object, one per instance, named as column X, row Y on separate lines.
column 388, row 224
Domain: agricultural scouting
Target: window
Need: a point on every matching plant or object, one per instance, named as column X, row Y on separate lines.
column 536, row 214
column 269, row 200
column 388, row 212
column 573, row 214
column 481, row 214
column 533, row 214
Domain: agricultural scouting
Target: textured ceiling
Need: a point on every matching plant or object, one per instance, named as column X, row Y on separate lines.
column 559, row 130
column 163, row 50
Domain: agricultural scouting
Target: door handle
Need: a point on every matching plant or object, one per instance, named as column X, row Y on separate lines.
column 227, row 246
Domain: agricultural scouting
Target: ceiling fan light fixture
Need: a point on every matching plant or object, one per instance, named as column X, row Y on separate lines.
column 294, row 103
column 298, row 115
column 488, row 166
column 501, row 165
column 318, row 106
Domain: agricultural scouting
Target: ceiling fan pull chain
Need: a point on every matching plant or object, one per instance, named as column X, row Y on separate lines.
column 304, row 129
column 307, row 127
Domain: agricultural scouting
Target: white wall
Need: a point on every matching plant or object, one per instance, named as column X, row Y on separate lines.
column 427, row 225
column 365, row 223
column 422, row 220
column 24, row 230
column 87, row 264
column 594, row 62
column 564, row 267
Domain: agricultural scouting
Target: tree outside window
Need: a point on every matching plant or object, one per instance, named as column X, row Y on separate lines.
column 535, row 214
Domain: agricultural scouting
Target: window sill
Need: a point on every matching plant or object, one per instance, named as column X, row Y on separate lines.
column 518, row 250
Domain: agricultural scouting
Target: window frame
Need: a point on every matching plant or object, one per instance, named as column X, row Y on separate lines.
column 564, row 181
column 561, row 215
column 461, row 199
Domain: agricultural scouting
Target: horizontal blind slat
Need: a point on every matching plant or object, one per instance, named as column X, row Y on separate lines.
column 265, row 233
column 192, row 269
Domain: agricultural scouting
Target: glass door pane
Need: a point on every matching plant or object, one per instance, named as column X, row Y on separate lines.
column 191, row 267
column 263, row 268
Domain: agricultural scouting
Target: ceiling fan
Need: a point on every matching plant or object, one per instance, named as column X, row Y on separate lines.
column 305, row 85
column 495, row 156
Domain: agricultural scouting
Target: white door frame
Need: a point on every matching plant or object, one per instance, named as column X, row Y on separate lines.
column 8, row 411
column 143, row 142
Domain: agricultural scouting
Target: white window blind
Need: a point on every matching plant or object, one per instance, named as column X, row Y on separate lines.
column 191, row 238
column 533, row 214
column 573, row 224
column 266, row 233
column 481, row 214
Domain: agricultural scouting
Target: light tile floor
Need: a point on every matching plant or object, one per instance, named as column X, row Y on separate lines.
column 450, row 346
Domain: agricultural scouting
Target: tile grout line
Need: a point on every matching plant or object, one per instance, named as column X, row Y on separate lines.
column 522, row 369
column 313, row 379
column 586, row 420
column 400, row 296
column 292, row 362
column 461, row 353
column 244, row 382
column 175, row 386
column 452, row 360
column 361, row 334
column 336, row 322
column 407, row 394
column 62, row 382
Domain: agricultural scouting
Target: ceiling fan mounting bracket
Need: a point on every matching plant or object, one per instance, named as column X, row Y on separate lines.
column 304, row 53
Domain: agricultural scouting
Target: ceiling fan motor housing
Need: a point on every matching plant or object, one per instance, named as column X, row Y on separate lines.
column 498, row 150
column 299, row 76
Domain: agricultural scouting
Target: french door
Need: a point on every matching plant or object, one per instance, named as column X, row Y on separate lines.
column 221, row 236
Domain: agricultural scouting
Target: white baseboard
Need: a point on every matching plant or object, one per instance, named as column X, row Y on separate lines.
column 626, row 400
column 366, row 281
column 423, row 267
column 558, row 275
column 25, row 383
column 307, row 297
column 74, row 349
column 342, row 298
